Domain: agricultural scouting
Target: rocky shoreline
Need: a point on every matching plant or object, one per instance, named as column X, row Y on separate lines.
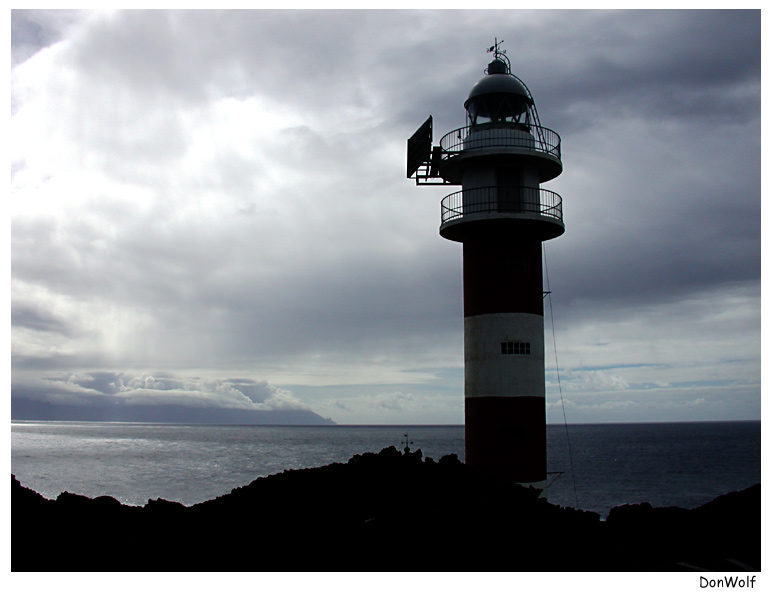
column 390, row 511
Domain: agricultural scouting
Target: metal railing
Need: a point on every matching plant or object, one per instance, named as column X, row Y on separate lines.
column 492, row 199
column 501, row 134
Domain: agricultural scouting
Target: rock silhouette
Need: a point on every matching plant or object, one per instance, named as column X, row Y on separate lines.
column 389, row 511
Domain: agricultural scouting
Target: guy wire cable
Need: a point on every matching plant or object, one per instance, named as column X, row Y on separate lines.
column 559, row 381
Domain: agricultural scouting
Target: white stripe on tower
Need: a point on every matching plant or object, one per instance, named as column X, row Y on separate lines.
column 504, row 355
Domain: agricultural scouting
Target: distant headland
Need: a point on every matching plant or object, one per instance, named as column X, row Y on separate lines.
column 111, row 410
column 390, row 511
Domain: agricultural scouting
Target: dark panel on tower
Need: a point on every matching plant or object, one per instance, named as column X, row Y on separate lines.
column 419, row 147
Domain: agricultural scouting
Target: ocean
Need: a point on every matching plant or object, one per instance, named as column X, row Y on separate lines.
column 665, row 464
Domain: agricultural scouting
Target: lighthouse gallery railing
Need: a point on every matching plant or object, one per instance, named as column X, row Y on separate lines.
column 502, row 134
column 493, row 199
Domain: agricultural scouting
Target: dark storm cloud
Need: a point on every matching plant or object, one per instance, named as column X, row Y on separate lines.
column 660, row 120
column 362, row 309
column 42, row 363
column 702, row 65
column 282, row 54
column 663, row 260
column 28, row 316
column 663, row 223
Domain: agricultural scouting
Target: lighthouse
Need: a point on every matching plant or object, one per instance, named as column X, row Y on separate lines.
column 502, row 216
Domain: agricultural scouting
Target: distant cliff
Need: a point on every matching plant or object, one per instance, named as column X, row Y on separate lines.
column 114, row 411
column 379, row 512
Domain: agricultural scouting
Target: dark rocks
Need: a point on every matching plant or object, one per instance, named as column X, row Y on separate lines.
column 450, row 460
column 723, row 534
column 379, row 512
column 163, row 506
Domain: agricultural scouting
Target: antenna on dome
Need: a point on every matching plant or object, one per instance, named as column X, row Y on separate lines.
column 499, row 55
column 496, row 47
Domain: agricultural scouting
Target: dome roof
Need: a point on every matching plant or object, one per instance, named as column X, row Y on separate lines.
column 499, row 84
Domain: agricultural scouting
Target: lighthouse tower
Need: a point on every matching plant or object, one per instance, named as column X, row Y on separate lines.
column 501, row 216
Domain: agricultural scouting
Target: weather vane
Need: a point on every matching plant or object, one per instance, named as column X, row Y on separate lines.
column 406, row 443
column 500, row 56
column 496, row 47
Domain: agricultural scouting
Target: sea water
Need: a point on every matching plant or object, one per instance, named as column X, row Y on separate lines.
column 593, row 467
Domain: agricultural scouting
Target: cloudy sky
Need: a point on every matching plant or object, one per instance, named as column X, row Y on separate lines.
column 211, row 208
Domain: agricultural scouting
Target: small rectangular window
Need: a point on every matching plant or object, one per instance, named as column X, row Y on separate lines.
column 515, row 347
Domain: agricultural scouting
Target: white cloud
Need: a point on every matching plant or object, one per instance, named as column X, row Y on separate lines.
column 144, row 388
column 596, row 380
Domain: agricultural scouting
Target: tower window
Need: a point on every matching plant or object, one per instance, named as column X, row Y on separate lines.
column 515, row 347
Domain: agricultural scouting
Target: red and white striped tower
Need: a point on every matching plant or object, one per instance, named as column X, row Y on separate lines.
column 501, row 216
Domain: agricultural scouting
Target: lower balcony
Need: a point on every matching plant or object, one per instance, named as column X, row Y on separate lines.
column 533, row 210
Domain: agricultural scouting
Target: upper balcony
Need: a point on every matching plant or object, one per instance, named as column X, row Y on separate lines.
column 539, row 145
column 527, row 211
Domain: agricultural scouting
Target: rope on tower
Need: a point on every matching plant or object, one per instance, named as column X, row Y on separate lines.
column 557, row 367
